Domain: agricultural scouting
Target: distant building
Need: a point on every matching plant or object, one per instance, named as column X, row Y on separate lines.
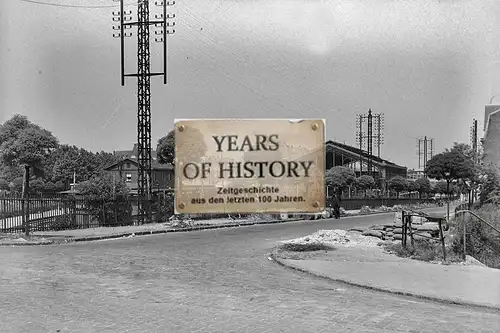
column 414, row 174
column 162, row 175
column 491, row 140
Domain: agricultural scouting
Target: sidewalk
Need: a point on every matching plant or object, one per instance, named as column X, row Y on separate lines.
column 92, row 234
column 373, row 268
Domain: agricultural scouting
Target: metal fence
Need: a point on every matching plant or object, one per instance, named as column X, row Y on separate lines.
column 50, row 213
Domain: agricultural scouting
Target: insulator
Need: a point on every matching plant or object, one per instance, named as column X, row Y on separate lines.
column 170, row 16
column 159, row 16
column 116, row 19
column 170, row 24
column 160, row 32
column 171, row 32
column 117, row 27
column 127, row 18
column 158, row 25
column 127, row 13
column 170, row 3
column 116, row 13
column 127, row 34
column 159, row 3
column 125, row 27
column 159, row 40
column 116, row 35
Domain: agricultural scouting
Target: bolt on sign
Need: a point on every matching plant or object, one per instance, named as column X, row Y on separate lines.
column 249, row 166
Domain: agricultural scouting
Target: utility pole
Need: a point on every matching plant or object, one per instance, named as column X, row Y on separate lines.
column 143, row 75
column 473, row 134
column 359, row 138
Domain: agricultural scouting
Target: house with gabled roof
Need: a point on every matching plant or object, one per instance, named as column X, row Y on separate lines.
column 127, row 169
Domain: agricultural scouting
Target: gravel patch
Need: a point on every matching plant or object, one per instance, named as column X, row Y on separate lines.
column 336, row 237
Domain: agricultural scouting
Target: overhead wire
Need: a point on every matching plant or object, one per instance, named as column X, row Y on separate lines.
column 239, row 57
column 271, row 66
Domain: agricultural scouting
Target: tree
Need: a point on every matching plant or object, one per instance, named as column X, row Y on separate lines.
column 37, row 186
column 4, row 185
column 339, row 178
column 16, row 185
column 413, row 186
column 450, row 166
column 424, row 186
column 106, row 198
column 26, row 144
column 365, row 183
column 440, row 188
column 490, row 185
column 193, row 146
column 397, row 184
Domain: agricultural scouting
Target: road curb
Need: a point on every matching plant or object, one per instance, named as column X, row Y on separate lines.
column 385, row 290
column 70, row 239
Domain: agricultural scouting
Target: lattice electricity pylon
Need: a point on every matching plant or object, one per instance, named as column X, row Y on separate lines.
column 425, row 151
column 143, row 84
column 366, row 139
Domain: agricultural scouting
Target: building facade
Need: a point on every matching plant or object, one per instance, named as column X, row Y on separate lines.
column 491, row 139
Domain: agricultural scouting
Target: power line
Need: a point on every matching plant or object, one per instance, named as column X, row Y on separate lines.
column 135, row 3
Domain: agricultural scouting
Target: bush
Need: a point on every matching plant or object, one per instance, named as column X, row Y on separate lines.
column 424, row 250
column 482, row 242
column 164, row 208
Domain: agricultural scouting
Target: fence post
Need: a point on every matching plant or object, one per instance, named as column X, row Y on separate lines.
column 4, row 217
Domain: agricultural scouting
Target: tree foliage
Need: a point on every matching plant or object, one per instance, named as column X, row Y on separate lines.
column 106, row 199
column 194, row 146
column 397, row 184
column 424, row 185
column 103, row 186
column 339, row 177
column 450, row 165
column 365, row 182
column 490, row 187
column 413, row 186
column 440, row 187
column 4, row 185
column 24, row 143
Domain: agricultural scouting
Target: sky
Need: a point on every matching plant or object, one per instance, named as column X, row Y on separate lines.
column 429, row 66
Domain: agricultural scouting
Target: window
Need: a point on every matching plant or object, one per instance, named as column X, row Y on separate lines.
column 128, row 166
column 128, row 178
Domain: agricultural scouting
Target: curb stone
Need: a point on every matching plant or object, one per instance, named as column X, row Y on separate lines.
column 142, row 233
column 385, row 290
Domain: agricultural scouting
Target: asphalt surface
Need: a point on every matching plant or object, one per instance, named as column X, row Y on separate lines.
column 204, row 281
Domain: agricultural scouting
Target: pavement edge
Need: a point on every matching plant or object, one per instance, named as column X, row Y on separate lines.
column 277, row 260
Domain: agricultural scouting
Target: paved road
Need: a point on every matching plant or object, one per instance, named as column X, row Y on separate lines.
column 206, row 281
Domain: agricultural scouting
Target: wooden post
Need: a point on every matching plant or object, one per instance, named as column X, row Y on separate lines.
column 441, row 236
column 403, row 229
column 411, row 232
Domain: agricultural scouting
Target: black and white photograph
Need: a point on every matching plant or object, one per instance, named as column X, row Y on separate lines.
column 249, row 166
